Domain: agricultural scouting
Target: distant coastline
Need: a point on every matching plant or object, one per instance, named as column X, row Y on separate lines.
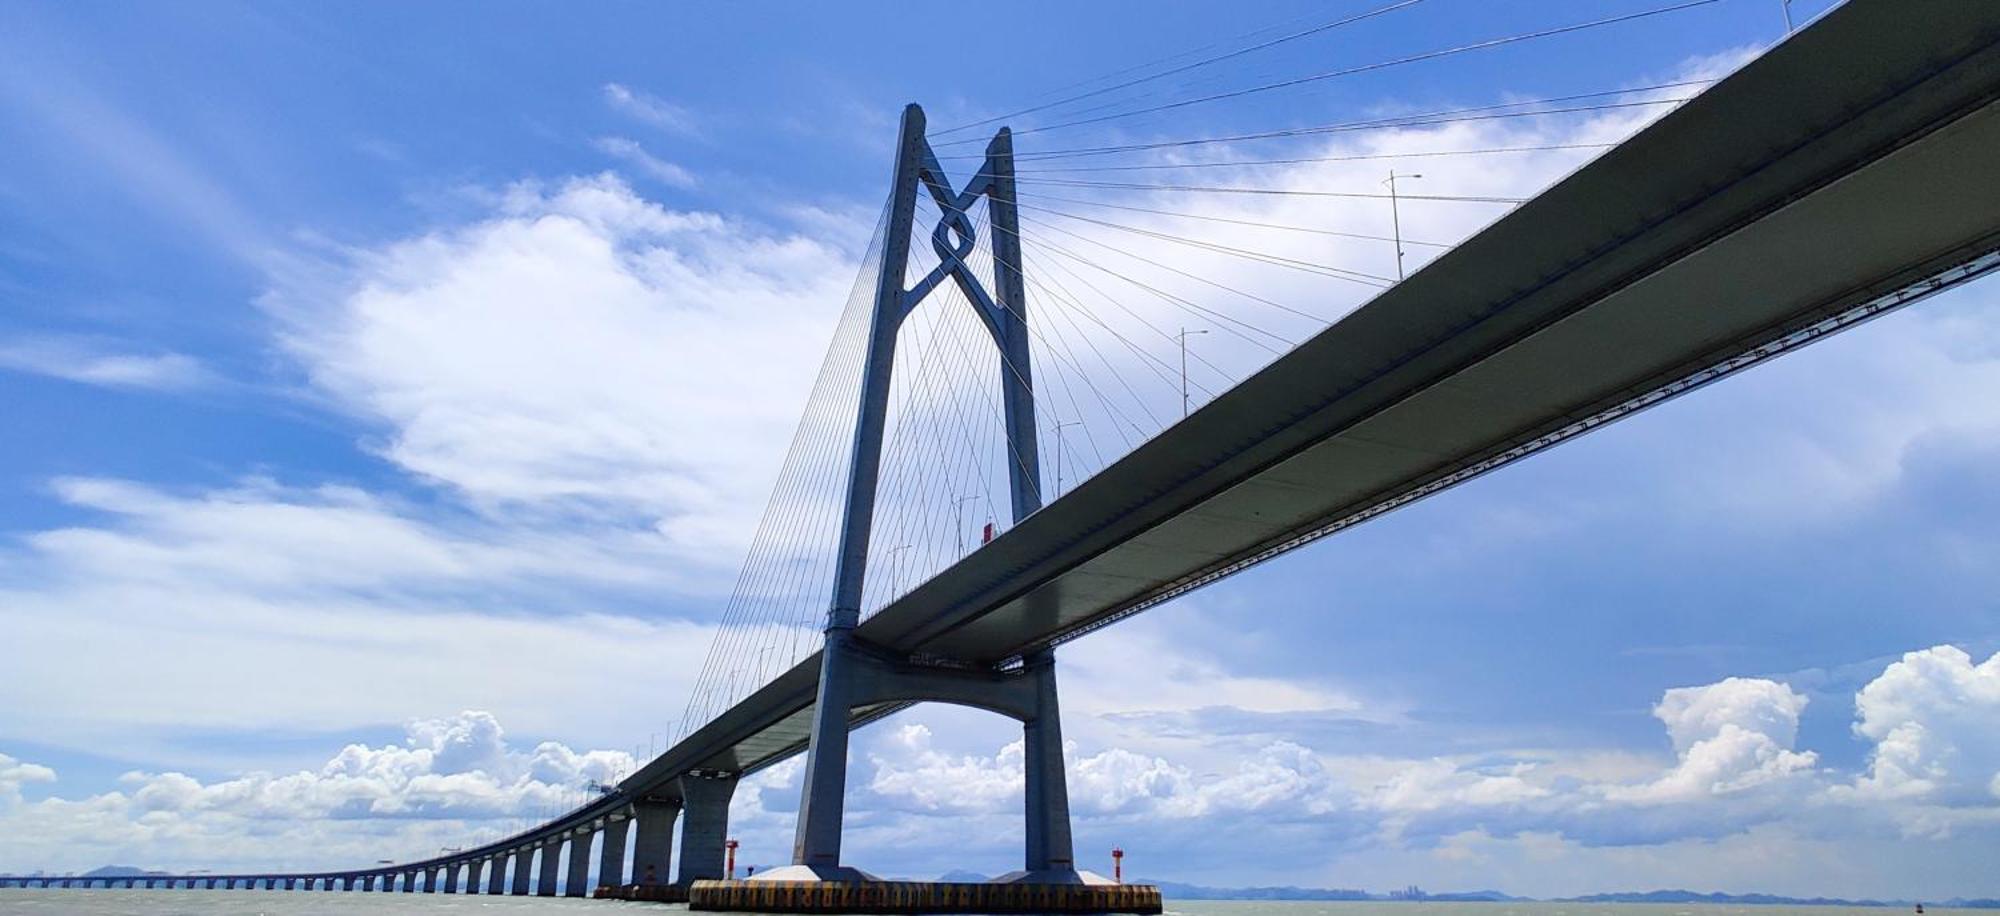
column 1176, row 891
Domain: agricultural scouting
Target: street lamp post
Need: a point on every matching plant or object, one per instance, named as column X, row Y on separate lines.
column 1396, row 219
column 1184, row 389
column 1059, row 442
column 958, row 520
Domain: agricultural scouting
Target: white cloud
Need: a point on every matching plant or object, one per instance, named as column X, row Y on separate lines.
column 651, row 109
column 263, row 537
column 263, row 607
column 636, row 362
column 648, row 164
column 16, row 773
column 1731, row 736
column 90, row 363
column 456, row 775
column 1935, row 719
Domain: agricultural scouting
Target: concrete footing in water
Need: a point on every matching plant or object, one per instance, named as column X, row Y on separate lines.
column 921, row 897
column 651, row 893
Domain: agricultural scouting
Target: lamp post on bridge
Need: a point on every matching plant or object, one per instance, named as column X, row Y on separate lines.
column 1059, row 441
column 1396, row 219
column 1184, row 389
column 958, row 519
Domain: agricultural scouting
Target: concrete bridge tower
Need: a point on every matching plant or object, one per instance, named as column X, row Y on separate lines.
column 855, row 674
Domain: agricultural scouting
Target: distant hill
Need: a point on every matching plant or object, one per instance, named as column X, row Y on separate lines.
column 1683, row 896
column 1176, row 891
column 961, row 876
column 119, row 871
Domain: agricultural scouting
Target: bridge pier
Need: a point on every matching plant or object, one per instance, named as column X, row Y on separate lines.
column 653, row 840
column 496, row 879
column 577, row 883
column 545, row 881
column 706, row 795
column 523, row 867
column 473, row 870
column 611, row 852
column 1050, row 854
column 451, row 878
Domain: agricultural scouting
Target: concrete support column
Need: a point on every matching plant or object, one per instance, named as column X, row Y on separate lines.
column 409, row 882
column 347, row 883
column 451, row 878
column 432, row 876
column 1049, row 846
column 473, row 870
column 578, row 884
column 496, row 879
column 387, row 883
column 545, row 881
column 707, row 800
column 524, row 860
column 611, row 853
column 653, row 840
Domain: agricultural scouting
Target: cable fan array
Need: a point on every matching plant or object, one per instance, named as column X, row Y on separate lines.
column 1160, row 271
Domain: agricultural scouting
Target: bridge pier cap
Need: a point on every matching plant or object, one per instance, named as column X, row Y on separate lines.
column 854, row 674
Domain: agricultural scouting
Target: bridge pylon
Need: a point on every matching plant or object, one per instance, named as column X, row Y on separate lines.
column 854, row 673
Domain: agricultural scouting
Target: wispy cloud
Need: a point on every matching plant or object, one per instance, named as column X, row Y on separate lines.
column 651, row 109
column 91, row 364
column 648, row 164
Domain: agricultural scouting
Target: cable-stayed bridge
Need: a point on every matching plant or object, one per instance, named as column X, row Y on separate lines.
column 1844, row 173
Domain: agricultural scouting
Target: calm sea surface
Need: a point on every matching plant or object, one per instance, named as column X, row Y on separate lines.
column 302, row 903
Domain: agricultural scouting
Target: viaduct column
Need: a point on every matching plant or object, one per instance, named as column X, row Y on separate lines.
column 524, row 863
column 545, row 882
column 611, row 855
column 578, row 884
column 653, row 840
column 707, row 798
column 473, row 871
column 496, row 880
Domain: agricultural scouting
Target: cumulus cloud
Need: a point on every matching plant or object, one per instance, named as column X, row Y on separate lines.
column 16, row 773
column 1731, row 736
column 457, row 774
column 1934, row 716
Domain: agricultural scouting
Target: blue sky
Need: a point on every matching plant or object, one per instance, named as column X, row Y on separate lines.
column 391, row 394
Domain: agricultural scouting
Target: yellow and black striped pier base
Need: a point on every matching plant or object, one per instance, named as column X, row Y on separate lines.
column 653, row 893
column 921, row 897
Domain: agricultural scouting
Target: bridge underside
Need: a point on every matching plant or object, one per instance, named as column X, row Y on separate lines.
column 1844, row 172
